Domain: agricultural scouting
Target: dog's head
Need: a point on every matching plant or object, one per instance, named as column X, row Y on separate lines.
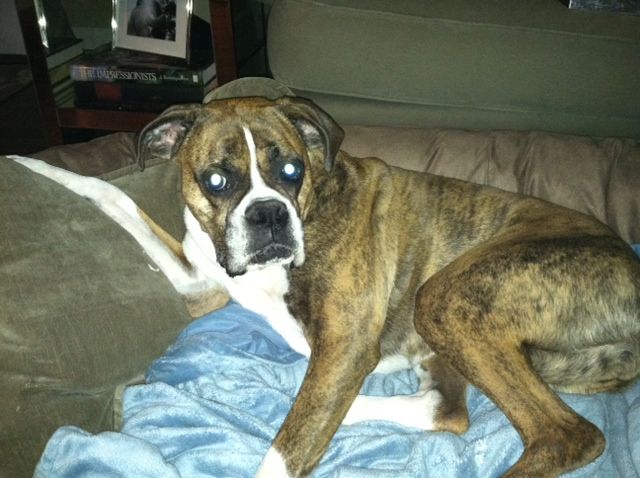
column 248, row 171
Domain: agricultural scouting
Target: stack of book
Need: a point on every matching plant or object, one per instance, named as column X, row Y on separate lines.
column 138, row 81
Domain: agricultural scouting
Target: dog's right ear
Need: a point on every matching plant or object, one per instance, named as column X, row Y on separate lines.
column 317, row 128
column 164, row 135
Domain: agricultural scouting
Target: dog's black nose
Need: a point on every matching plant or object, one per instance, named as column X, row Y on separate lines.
column 269, row 214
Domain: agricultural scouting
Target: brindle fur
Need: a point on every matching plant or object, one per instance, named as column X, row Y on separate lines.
column 514, row 294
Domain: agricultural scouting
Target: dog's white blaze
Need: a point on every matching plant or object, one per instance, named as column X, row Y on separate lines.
column 237, row 238
column 273, row 466
column 417, row 410
column 256, row 180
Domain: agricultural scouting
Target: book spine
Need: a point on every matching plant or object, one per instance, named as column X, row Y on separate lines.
column 81, row 73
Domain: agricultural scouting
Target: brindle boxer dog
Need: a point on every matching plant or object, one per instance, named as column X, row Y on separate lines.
column 515, row 295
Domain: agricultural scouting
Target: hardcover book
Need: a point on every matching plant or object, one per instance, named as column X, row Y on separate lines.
column 131, row 96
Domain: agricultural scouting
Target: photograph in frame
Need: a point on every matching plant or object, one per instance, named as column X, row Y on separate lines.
column 153, row 26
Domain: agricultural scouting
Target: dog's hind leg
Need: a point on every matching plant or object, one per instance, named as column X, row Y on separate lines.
column 479, row 314
column 555, row 438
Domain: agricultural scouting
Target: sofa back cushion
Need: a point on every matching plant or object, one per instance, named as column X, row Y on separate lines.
column 597, row 177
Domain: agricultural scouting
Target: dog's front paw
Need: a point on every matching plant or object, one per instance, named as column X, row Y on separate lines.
column 417, row 410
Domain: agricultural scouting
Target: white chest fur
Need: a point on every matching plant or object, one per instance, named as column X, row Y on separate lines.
column 260, row 289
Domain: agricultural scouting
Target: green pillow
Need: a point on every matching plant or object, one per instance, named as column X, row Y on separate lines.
column 82, row 312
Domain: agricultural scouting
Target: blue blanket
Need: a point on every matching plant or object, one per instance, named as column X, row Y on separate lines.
column 214, row 401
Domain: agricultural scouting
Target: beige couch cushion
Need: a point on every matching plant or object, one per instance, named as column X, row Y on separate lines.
column 598, row 177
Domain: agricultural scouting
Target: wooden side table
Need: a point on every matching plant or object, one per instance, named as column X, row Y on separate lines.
column 57, row 118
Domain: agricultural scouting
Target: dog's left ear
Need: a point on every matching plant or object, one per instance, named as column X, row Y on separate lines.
column 315, row 126
column 164, row 135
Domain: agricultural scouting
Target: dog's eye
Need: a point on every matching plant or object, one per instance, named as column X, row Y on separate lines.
column 216, row 182
column 291, row 171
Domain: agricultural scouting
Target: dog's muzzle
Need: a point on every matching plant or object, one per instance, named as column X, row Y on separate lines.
column 270, row 235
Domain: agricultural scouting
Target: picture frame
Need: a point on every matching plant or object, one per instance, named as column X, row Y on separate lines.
column 42, row 23
column 55, row 31
column 154, row 26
